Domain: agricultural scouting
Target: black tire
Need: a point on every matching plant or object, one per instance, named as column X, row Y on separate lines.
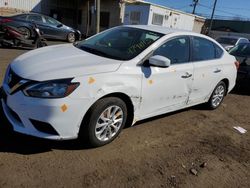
column 41, row 44
column 26, row 32
column 222, row 89
column 89, row 125
column 71, row 37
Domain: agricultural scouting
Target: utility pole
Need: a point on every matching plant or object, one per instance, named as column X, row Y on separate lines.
column 97, row 16
column 195, row 2
column 212, row 17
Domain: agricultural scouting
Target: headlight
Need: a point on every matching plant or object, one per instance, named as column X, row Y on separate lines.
column 51, row 89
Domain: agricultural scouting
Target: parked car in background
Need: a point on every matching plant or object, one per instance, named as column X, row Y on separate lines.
column 242, row 54
column 122, row 75
column 229, row 42
column 51, row 28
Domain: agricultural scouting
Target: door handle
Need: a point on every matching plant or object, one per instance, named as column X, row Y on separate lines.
column 187, row 75
column 217, row 71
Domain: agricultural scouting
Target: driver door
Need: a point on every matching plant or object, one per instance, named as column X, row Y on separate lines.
column 168, row 89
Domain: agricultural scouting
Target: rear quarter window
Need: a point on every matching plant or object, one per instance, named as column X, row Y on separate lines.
column 203, row 49
column 219, row 52
column 22, row 17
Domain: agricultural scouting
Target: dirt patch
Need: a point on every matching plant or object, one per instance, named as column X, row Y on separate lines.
column 155, row 153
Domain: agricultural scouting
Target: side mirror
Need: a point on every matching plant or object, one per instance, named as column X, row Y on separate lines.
column 59, row 25
column 159, row 61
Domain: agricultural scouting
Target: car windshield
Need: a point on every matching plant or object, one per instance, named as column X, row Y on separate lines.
column 241, row 50
column 224, row 40
column 121, row 43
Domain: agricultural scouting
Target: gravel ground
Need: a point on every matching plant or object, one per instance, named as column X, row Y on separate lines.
column 165, row 151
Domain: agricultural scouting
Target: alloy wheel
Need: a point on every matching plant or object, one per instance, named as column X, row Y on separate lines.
column 109, row 123
column 218, row 95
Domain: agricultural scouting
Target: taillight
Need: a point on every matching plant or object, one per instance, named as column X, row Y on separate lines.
column 6, row 20
column 237, row 64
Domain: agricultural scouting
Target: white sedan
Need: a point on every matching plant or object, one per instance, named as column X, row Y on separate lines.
column 120, row 76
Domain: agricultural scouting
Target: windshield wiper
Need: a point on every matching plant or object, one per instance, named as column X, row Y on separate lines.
column 98, row 52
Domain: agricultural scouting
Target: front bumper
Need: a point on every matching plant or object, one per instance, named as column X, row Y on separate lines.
column 64, row 115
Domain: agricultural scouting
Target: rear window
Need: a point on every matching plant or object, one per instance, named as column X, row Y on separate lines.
column 219, row 51
column 22, row 17
column 241, row 50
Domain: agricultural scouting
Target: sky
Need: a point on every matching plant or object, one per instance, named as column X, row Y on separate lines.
column 225, row 9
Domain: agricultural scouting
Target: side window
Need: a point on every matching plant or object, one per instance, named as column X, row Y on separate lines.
column 177, row 50
column 219, row 51
column 203, row 49
column 35, row 18
column 51, row 21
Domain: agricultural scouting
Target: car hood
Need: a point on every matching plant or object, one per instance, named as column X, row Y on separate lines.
column 61, row 61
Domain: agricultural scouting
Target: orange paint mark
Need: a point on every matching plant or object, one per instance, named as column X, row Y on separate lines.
column 91, row 80
column 64, row 108
column 174, row 70
column 150, row 82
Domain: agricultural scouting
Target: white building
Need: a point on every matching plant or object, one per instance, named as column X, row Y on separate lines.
column 8, row 7
column 145, row 13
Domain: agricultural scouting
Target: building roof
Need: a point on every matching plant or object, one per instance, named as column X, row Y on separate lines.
column 156, row 5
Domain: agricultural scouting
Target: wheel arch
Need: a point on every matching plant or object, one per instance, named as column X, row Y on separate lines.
column 28, row 28
column 226, row 81
column 122, row 96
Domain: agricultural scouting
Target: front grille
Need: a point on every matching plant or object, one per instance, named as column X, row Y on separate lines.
column 13, row 78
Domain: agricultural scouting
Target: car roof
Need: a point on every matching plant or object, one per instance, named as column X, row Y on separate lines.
column 158, row 29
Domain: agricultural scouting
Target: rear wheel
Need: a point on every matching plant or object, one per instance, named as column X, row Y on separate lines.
column 25, row 31
column 71, row 37
column 217, row 96
column 107, row 118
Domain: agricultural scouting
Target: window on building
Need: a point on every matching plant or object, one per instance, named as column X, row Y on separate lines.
column 104, row 19
column 135, row 17
column 157, row 19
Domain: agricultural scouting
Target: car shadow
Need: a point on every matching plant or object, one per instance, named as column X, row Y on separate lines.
column 242, row 88
column 13, row 142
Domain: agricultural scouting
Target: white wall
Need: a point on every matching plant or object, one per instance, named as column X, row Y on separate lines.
column 27, row 5
column 172, row 19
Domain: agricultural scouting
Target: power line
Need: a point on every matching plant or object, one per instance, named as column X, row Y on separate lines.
column 195, row 2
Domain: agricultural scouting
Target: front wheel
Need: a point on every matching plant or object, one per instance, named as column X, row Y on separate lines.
column 107, row 118
column 217, row 96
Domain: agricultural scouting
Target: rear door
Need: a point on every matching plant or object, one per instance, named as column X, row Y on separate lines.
column 208, row 68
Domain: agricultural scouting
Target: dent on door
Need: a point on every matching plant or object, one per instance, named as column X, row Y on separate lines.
column 165, row 89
